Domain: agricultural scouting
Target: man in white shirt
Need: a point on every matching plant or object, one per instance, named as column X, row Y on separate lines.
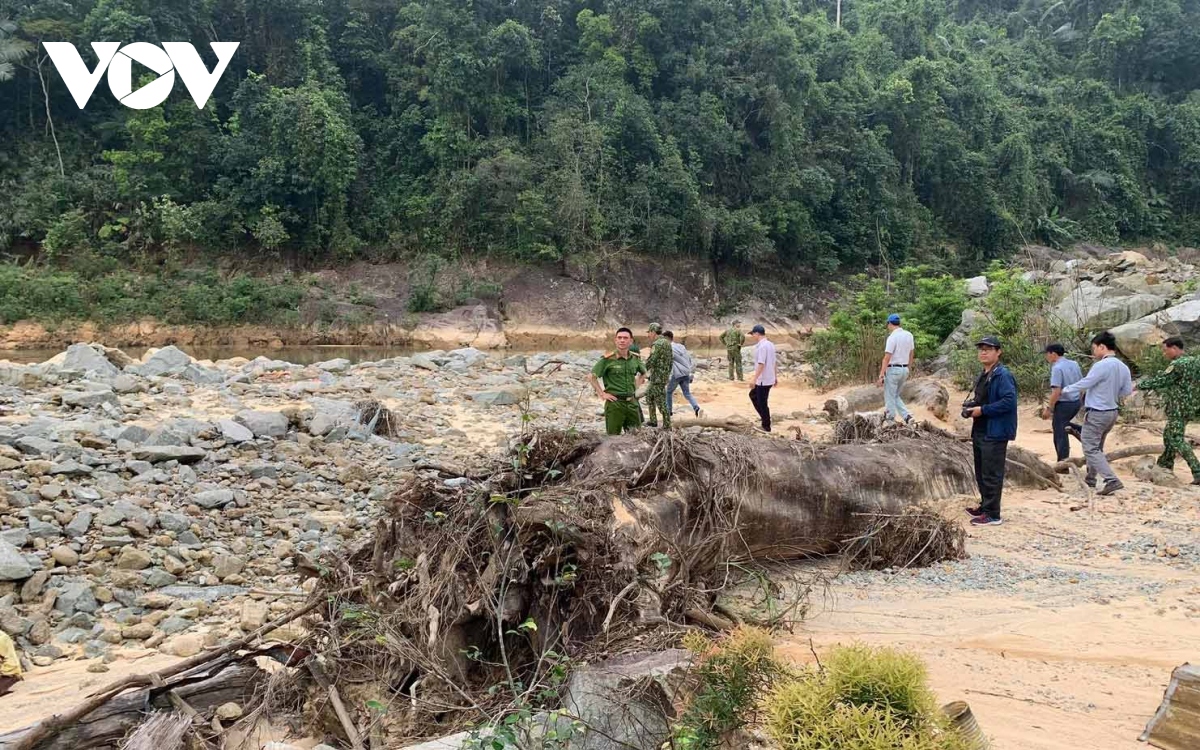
column 1105, row 386
column 893, row 370
column 765, row 373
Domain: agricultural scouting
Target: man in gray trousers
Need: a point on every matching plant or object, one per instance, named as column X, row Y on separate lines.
column 1106, row 384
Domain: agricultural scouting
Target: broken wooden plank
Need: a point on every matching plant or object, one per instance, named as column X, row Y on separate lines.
column 1176, row 724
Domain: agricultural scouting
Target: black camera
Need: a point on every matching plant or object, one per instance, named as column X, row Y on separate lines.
column 968, row 406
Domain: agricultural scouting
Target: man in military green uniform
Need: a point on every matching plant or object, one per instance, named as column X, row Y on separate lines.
column 1179, row 387
column 623, row 373
column 658, row 365
column 733, row 339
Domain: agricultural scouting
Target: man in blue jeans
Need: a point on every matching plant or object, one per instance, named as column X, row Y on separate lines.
column 682, row 370
column 1061, row 409
column 993, row 407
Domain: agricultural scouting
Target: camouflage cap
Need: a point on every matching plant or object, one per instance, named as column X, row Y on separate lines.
column 655, row 328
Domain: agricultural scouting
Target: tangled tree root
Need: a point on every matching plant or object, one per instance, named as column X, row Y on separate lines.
column 377, row 418
column 477, row 595
column 918, row 536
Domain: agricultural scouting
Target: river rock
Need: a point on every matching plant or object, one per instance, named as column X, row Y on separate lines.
column 132, row 558
column 84, row 359
column 264, row 423
column 227, row 565
column 124, row 383
column 159, row 453
column 89, row 399
column 502, row 397
column 76, row 596
column 39, row 529
column 35, row 446
column 80, row 524
column 621, row 699
column 13, row 565
column 188, row 644
column 334, row 365
column 64, row 555
column 202, row 375
column 169, row 360
column 234, row 432
column 210, row 499
column 977, row 287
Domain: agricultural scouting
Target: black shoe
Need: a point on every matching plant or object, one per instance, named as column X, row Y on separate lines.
column 697, row 410
column 651, row 424
column 908, row 419
column 1110, row 487
column 1091, row 482
column 985, row 521
column 975, row 512
column 1196, row 481
column 1073, row 430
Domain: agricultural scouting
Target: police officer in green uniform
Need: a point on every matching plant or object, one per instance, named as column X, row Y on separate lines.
column 623, row 373
column 1179, row 387
column 734, row 339
column 658, row 366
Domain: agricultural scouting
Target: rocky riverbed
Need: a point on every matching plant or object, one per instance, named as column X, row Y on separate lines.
column 167, row 503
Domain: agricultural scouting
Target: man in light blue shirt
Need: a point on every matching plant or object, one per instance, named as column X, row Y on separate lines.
column 1061, row 409
column 1106, row 384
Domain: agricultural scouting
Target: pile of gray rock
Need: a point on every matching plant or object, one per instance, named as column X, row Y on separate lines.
column 1142, row 301
column 171, row 503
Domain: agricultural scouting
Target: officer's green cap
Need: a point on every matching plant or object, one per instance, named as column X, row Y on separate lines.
column 655, row 328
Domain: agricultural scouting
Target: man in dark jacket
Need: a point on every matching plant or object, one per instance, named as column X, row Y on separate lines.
column 993, row 407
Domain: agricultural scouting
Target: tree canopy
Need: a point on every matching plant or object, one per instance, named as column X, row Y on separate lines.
column 734, row 130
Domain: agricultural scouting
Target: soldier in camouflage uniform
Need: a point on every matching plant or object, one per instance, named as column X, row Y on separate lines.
column 1179, row 387
column 658, row 365
column 734, row 339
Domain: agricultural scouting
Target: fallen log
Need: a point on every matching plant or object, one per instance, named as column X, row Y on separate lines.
column 108, row 723
column 924, row 392
column 47, row 729
column 1148, row 449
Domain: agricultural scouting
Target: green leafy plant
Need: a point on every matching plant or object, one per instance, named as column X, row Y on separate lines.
column 850, row 348
column 730, row 675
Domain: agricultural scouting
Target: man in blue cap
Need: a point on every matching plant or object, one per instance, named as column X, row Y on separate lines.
column 893, row 371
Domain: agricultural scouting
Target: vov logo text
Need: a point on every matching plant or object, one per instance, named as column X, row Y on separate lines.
column 118, row 61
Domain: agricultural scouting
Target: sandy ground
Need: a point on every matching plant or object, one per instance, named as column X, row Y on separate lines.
column 1074, row 654
column 1061, row 631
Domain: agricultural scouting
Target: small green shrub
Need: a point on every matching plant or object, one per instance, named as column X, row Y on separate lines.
column 849, row 350
column 423, row 295
column 861, row 698
column 1019, row 313
column 730, row 678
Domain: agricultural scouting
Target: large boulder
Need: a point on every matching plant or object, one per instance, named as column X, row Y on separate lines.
column 169, row 360
column 1090, row 307
column 977, row 287
column 84, row 359
column 263, row 423
column 1181, row 320
column 626, row 701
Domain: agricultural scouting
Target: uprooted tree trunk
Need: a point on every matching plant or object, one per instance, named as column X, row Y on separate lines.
column 923, row 391
column 473, row 599
column 471, row 596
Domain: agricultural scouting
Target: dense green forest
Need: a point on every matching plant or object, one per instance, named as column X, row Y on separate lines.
column 738, row 131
